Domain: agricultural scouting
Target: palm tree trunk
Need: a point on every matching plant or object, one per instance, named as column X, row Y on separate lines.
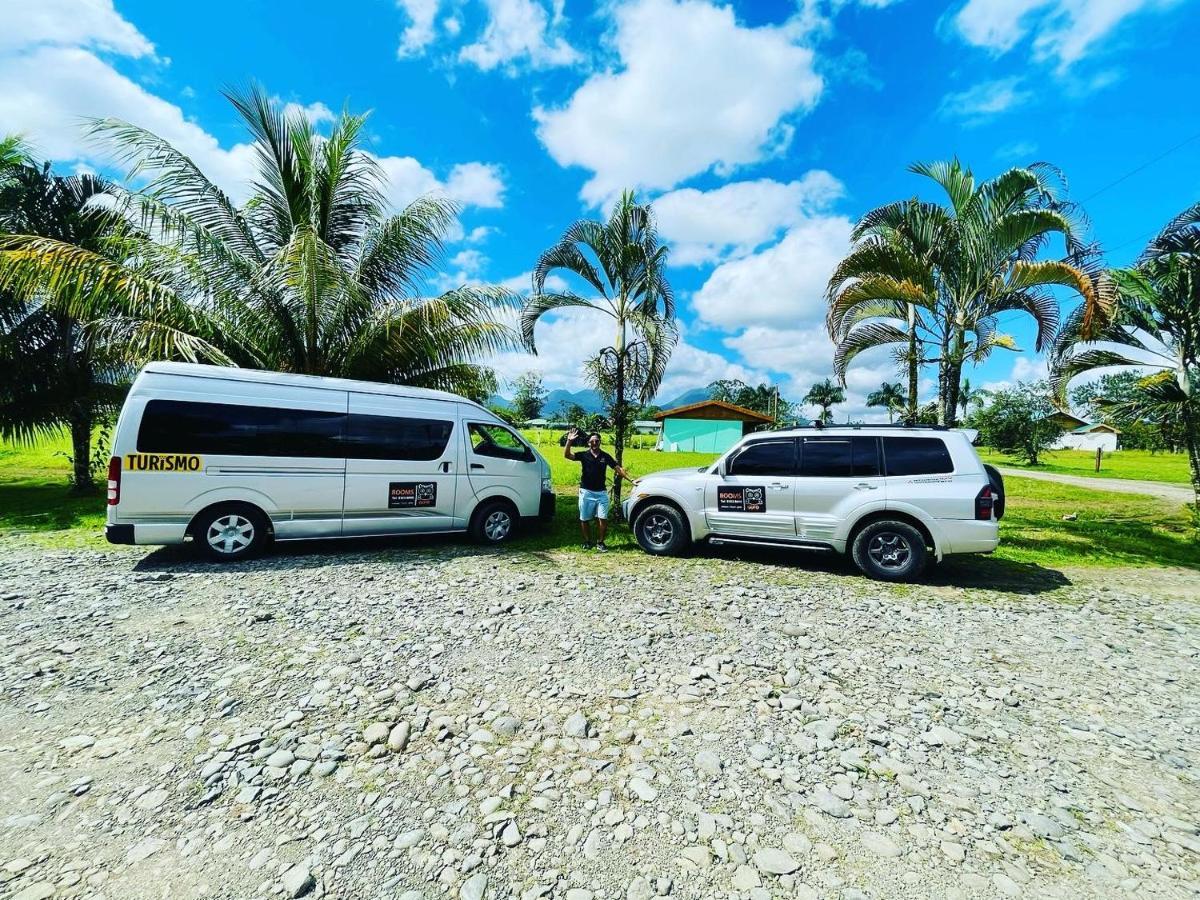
column 619, row 421
column 80, row 422
column 1192, row 438
column 912, row 366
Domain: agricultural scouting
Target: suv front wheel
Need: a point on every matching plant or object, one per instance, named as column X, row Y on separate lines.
column 661, row 530
column 890, row 551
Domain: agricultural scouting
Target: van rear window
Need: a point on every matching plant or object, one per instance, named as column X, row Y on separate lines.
column 916, row 456
column 181, row 426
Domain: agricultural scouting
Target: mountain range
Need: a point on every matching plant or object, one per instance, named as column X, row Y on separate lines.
column 590, row 400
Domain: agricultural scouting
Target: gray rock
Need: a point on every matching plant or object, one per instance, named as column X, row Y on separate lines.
column 708, row 763
column 376, row 733
column 297, row 881
column 474, row 887
column 879, row 844
column 831, row 805
column 774, row 861
column 398, row 737
column 576, row 725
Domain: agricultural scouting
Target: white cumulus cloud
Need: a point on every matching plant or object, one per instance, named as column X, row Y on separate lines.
column 520, row 31
column 70, row 23
column 694, row 90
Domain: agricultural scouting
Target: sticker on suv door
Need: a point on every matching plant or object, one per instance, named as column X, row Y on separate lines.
column 408, row 494
column 741, row 498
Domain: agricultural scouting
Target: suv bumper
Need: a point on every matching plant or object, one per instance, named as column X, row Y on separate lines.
column 966, row 536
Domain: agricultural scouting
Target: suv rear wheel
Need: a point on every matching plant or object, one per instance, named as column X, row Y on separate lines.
column 661, row 530
column 890, row 551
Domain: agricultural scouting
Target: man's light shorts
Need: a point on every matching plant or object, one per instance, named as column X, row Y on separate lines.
column 592, row 505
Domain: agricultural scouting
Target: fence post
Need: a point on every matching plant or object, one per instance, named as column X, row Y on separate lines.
column 1099, row 453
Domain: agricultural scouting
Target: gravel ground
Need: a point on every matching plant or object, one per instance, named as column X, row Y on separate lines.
column 433, row 720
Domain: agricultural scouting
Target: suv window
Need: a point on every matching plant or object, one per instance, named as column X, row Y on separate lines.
column 840, row 457
column 765, row 458
column 916, row 456
column 493, row 440
column 184, row 426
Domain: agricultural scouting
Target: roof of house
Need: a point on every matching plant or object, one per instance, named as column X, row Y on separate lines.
column 1095, row 426
column 714, row 409
column 1075, row 425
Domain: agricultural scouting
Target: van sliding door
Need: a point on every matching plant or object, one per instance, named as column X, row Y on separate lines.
column 401, row 465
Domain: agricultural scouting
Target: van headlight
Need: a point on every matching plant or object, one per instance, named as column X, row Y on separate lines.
column 547, row 484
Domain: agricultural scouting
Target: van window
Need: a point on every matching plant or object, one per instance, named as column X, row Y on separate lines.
column 493, row 440
column 396, row 437
column 843, row 457
column 765, row 458
column 182, row 426
column 916, row 456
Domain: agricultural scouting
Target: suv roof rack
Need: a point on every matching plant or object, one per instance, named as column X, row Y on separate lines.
column 817, row 426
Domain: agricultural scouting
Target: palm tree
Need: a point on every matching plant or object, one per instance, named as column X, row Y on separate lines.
column 312, row 275
column 56, row 373
column 1146, row 316
column 622, row 262
column 825, row 394
column 890, row 395
column 968, row 397
column 930, row 280
column 14, row 152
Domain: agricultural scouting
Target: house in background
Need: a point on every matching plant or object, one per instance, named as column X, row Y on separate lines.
column 710, row 426
column 1080, row 434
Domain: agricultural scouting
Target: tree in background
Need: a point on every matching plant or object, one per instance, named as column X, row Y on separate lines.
column 930, row 280
column 968, row 397
column 56, row 371
column 764, row 399
column 623, row 263
column 311, row 275
column 1105, row 396
column 825, row 394
column 1146, row 317
column 505, row 414
column 889, row 395
column 530, row 396
column 1018, row 421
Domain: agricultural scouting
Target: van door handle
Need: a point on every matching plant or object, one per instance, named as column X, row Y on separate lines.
column 863, row 486
column 445, row 467
column 476, row 465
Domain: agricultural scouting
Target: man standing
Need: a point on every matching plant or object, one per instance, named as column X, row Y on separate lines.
column 593, row 493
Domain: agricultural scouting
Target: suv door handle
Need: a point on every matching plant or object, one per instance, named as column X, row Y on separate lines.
column 476, row 465
column 863, row 486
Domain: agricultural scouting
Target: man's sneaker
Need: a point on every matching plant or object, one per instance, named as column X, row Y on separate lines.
column 587, row 546
column 601, row 548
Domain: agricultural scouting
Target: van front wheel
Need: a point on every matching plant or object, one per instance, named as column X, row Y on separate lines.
column 230, row 532
column 494, row 523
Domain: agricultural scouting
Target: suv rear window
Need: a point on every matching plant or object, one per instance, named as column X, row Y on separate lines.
column 916, row 456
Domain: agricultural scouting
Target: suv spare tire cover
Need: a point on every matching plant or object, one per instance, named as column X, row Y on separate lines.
column 997, row 481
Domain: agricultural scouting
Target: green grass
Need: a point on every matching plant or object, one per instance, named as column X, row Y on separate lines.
column 1139, row 465
column 1108, row 529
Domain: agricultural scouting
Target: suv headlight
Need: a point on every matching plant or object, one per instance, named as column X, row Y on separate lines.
column 547, row 484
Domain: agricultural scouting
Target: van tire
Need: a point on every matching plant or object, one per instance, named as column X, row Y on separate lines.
column 494, row 522
column 661, row 530
column 890, row 550
column 245, row 529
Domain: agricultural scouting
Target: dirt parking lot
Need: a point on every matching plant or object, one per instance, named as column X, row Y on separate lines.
column 432, row 720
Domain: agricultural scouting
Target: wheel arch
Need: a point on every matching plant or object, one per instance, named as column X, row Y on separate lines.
column 494, row 498
column 653, row 499
column 190, row 531
column 897, row 515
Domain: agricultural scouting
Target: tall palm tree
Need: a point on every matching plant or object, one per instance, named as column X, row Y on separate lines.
column 890, row 395
column 825, row 394
column 968, row 397
column 14, row 152
column 311, row 275
column 56, row 372
column 930, row 280
column 623, row 265
column 1146, row 316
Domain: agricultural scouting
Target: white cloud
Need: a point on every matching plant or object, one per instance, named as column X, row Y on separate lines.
column 520, row 31
column 476, row 184
column 735, row 219
column 1024, row 368
column 984, row 100
column 1063, row 30
column 469, row 184
column 420, row 32
column 781, row 286
column 694, row 91
column 315, row 112
column 70, row 23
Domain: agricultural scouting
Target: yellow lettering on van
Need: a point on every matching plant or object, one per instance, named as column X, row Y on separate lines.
column 163, row 462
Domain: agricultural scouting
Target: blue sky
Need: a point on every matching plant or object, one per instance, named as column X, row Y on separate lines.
column 759, row 130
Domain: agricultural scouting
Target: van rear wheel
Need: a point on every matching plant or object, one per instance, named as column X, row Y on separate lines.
column 230, row 532
column 494, row 522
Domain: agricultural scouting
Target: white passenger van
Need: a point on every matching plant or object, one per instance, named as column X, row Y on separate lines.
column 231, row 459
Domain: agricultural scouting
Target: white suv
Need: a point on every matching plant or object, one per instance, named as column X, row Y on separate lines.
column 890, row 496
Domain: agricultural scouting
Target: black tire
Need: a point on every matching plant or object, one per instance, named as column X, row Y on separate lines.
column 661, row 530
column 890, row 550
column 997, row 482
column 231, row 532
column 494, row 522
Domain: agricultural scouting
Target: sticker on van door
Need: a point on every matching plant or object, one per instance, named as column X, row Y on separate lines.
column 741, row 498
column 163, row 462
column 408, row 494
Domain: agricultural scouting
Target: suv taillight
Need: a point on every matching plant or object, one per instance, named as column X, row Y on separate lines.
column 985, row 500
column 114, row 480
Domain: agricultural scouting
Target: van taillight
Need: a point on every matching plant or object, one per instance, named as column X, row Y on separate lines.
column 984, row 501
column 114, row 480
